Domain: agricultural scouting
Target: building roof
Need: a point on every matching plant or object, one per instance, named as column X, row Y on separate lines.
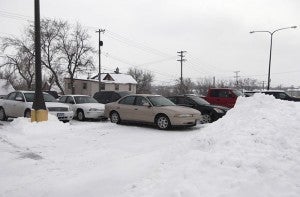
column 118, row 78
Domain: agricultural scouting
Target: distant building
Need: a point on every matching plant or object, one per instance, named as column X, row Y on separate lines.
column 109, row 81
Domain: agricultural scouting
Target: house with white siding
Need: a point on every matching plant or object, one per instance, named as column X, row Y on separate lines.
column 109, row 81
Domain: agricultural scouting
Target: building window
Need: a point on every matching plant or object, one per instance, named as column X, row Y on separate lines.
column 116, row 86
column 102, row 86
column 129, row 87
column 84, row 86
column 69, row 86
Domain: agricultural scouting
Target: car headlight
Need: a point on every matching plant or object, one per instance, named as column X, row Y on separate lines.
column 220, row 111
column 94, row 109
column 183, row 115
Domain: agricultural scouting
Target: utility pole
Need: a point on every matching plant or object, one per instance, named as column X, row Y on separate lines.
column 39, row 112
column 237, row 77
column 100, row 45
column 181, row 55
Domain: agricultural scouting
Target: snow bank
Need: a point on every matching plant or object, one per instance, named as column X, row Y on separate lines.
column 253, row 151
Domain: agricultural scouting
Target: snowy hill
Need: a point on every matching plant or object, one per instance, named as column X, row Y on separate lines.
column 252, row 151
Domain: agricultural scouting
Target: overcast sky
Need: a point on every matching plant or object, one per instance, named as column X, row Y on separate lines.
column 149, row 33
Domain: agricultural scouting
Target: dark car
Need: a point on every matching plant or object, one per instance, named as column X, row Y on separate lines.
column 209, row 112
column 109, row 96
column 52, row 93
column 279, row 94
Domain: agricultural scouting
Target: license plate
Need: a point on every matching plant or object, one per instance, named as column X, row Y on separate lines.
column 59, row 115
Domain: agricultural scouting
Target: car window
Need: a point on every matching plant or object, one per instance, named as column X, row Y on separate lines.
column 11, row 96
column 84, row 99
column 129, row 100
column 199, row 101
column 282, row 95
column 115, row 97
column 223, row 94
column 62, row 99
column 181, row 100
column 70, row 100
column 160, row 101
column 141, row 101
column 173, row 99
column 29, row 96
column 19, row 95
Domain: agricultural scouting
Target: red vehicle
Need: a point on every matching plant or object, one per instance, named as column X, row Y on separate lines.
column 222, row 96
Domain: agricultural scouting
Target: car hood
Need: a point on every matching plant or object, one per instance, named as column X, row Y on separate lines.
column 91, row 105
column 180, row 109
column 55, row 104
column 52, row 104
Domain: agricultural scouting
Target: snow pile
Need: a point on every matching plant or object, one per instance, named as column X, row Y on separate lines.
column 252, row 151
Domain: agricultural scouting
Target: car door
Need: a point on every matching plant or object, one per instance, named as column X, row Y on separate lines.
column 8, row 104
column 125, row 108
column 143, row 112
column 19, row 105
column 71, row 102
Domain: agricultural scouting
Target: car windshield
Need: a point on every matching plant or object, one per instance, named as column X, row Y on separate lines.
column 47, row 97
column 160, row 101
column 199, row 101
column 84, row 99
column 238, row 93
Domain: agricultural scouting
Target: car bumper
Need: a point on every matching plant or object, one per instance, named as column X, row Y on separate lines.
column 185, row 121
column 94, row 114
column 63, row 115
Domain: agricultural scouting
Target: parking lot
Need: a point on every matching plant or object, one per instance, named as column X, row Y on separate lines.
column 242, row 154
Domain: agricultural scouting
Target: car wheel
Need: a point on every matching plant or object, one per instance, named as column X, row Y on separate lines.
column 162, row 122
column 80, row 115
column 3, row 116
column 206, row 118
column 27, row 113
column 115, row 117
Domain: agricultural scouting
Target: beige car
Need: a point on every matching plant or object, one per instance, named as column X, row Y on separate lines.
column 153, row 109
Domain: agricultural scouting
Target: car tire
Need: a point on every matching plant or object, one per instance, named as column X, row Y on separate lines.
column 162, row 122
column 115, row 117
column 206, row 118
column 27, row 113
column 3, row 116
column 80, row 115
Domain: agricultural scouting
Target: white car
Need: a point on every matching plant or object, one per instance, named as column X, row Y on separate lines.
column 19, row 104
column 84, row 107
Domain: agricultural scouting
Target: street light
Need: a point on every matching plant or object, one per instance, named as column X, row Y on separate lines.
column 271, row 34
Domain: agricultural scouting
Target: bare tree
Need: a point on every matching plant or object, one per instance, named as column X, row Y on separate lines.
column 20, row 60
column 187, row 86
column 76, row 52
column 65, row 51
column 50, row 47
column 143, row 79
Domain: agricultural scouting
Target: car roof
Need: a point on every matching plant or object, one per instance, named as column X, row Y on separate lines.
column 28, row 91
column 143, row 95
column 76, row 95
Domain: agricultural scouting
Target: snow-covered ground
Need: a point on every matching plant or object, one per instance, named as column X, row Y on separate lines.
column 254, row 151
